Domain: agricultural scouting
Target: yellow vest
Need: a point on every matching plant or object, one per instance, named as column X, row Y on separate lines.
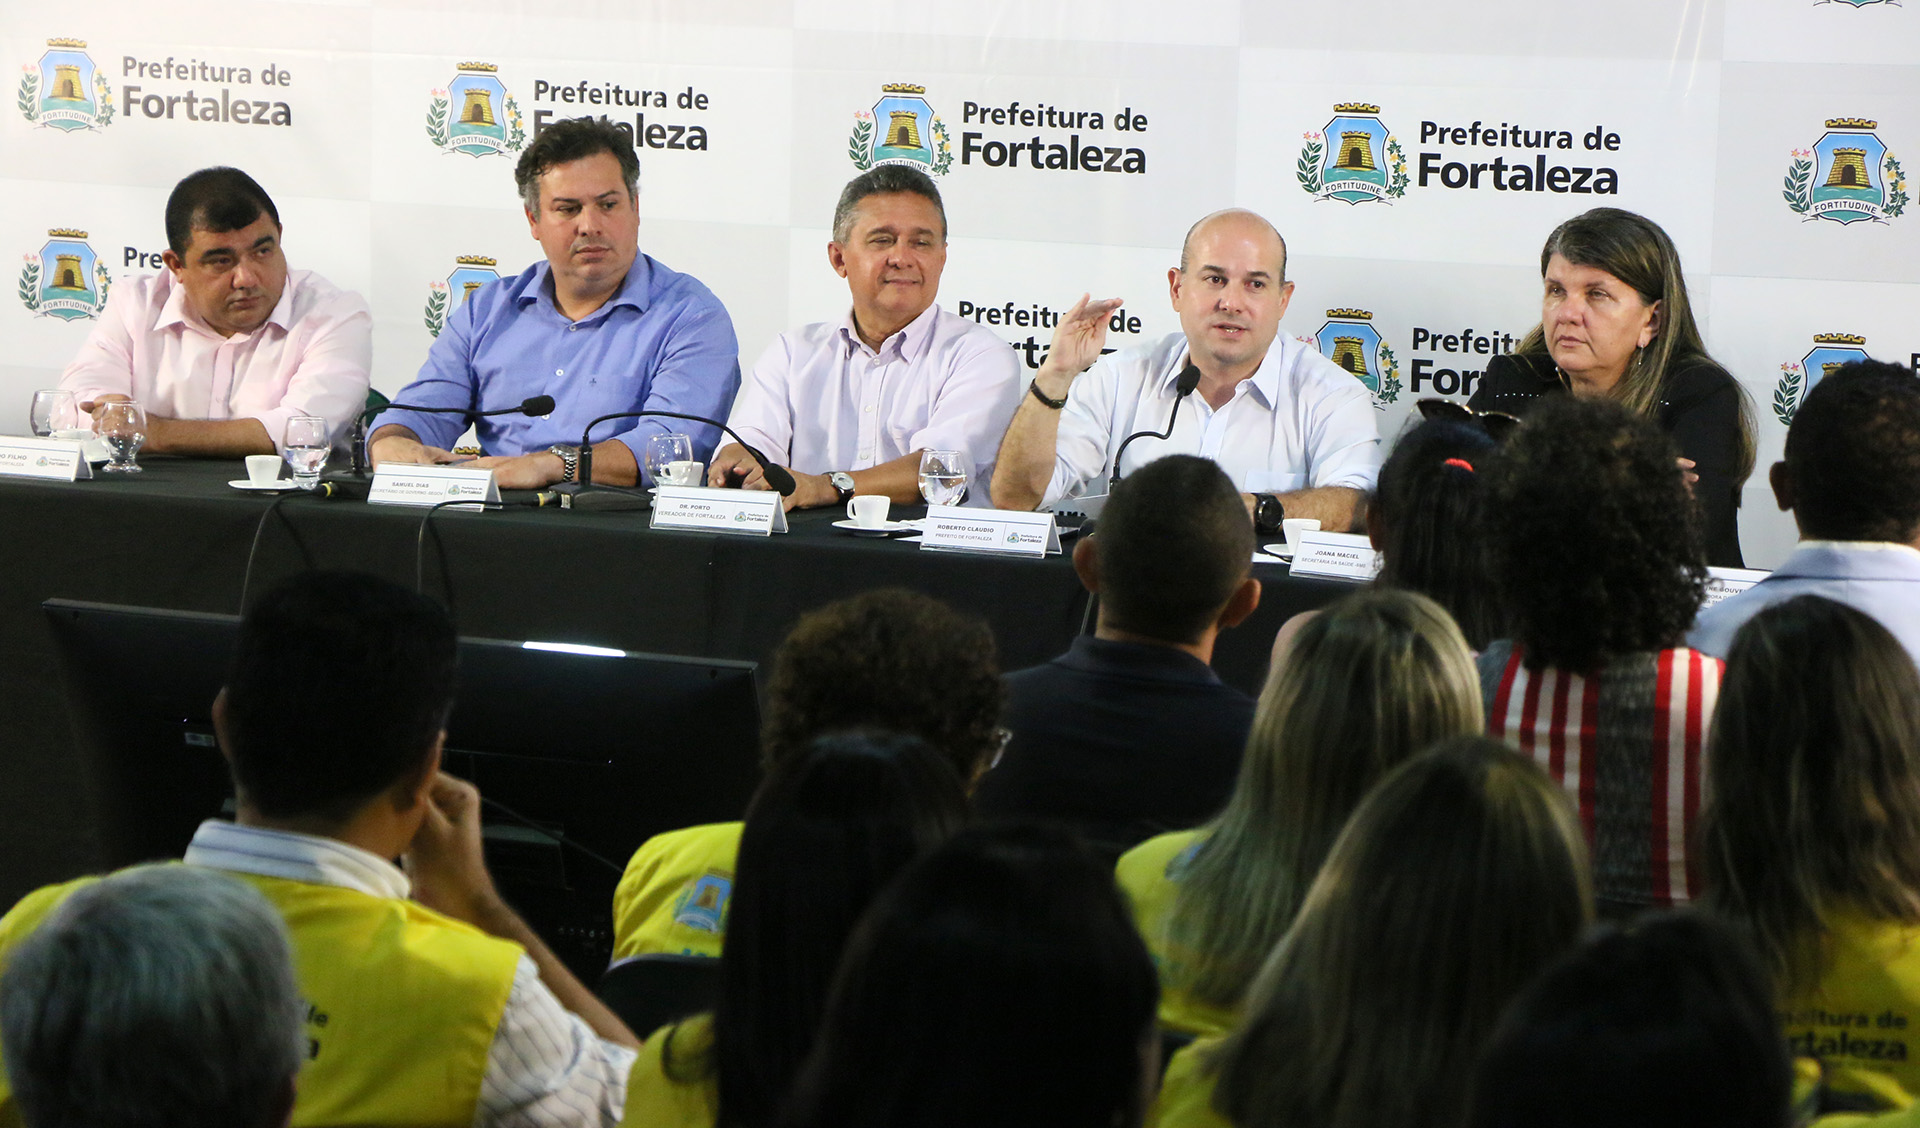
column 1142, row 873
column 1186, row 1093
column 674, row 896
column 402, row 1003
column 655, row 1100
column 1863, row 1019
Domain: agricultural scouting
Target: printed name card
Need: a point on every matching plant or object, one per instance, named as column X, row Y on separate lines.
column 755, row 513
column 44, row 458
column 1005, row 532
column 1725, row 582
column 1337, row 556
column 397, row 483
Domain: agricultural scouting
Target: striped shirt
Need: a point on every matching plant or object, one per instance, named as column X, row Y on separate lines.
column 1628, row 744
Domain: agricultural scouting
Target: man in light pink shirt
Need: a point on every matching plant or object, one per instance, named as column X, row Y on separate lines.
column 228, row 344
column 849, row 405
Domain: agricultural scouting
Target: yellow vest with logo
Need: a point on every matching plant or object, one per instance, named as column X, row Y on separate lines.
column 402, row 1002
column 1143, row 874
column 1862, row 1021
column 674, row 896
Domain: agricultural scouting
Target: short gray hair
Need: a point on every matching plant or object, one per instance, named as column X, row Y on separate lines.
column 163, row 994
column 882, row 181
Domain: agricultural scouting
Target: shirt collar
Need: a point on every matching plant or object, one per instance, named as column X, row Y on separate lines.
column 912, row 340
column 1137, row 659
column 295, row 857
column 174, row 310
column 1893, row 548
column 634, row 291
column 1265, row 379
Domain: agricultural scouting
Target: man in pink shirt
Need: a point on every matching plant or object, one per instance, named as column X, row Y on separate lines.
column 228, row 344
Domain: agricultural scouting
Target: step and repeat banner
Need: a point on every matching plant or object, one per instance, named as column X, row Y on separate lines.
column 1414, row 155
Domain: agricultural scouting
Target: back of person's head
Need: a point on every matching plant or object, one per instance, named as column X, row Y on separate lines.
column 1669, row 1023
column 574, row 139
column 1813, row 802
column 1595, row 540
column 1458, row 879
column 218, row 199
column 824, row 834
column 159, row 996
column 1853, row 455
column 889, row 659
column 1174, row 542
column 999, row 981
column 885, row 180
column 1375, row 678
column 340, row 685
column 1425, row 520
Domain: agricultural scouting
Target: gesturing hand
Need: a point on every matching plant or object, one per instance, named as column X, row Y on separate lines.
column 1081, row 334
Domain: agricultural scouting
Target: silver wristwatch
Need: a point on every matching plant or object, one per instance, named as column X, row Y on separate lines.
column 569, row 460
column 843, row 482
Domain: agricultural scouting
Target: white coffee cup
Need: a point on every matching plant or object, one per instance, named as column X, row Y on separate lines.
column 1292, row 527
column 263, row 469
column 869, row 511
column 681, row 473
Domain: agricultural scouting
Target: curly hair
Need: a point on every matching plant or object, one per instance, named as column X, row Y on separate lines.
column 1595, row 538
column 889, row 659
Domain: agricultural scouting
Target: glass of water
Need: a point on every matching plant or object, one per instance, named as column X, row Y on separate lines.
column 663, row 450
column 123, row 424
column 53, row 412
column 308, row 442
column 944, row 475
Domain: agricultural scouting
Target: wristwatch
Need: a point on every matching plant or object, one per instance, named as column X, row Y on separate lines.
column 843, row 483
column 1268, row 513
column 569, row 460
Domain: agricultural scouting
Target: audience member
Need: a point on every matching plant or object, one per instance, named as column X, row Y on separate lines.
column 891, row 659
column 226, row 344
column 1374, row 679
column 1667, row 1024
column 161, row 995
column 1851, row 477
column 1616, row 324
column 1596, row 555
column 1459, row 878
column 1130, row 732
column 1811, row 837
column 849, row 405
column 428, row 1000
column 998, row 982
column 1425, row 521
column 826, row 831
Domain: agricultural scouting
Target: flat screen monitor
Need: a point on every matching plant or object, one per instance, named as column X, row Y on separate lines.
column 591, row 750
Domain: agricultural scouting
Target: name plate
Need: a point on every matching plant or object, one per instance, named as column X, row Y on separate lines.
column 1003, row 532
column 44, row 458
column 397, row 483
column 1723, row 583
column 754, row 513
column 1337, row 556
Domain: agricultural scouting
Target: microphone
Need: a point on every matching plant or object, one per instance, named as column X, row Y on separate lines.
column 1182, row 388
column 532, row 405
column 777, row 475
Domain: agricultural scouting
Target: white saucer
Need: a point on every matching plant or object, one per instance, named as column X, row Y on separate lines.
column 263, row 487
column 885, row 529
column 1276, row 549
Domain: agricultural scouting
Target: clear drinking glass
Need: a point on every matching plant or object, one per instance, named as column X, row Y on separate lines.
column 308, row 442
column 123, row 424
column 944, row 475
column 53, row 411
column 664, row 449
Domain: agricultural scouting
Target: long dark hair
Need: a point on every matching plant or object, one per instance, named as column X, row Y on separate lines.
column 1425, row 519
column 999, row 982
column 824, row 834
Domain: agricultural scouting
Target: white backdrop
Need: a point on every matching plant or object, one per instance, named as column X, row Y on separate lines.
column 1415, row 155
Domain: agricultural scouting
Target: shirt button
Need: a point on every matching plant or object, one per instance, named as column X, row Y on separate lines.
column 559, row 372
column 573, row 328
column 868, row 409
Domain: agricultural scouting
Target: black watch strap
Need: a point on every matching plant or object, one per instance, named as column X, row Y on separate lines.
column 1055, row 404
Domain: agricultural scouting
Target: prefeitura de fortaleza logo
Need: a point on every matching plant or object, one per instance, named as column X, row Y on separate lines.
column 1353, row 158
column 1349, row 340
column 475, row 114
column 901, row 128
column 66, row 279
column 64, row 90
column 1797, row 377
column 470, row 272
column 1846, row 176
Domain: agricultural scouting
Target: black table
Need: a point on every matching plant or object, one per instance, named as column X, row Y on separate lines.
column 178, row 537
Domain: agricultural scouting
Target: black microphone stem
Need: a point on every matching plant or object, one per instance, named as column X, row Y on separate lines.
column 777, row 475
column 1189, row 380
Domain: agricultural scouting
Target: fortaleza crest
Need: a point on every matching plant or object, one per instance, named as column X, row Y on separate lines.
column 65, row 91
column 470, row 272
column 1353, row 159
column 900, row 129
column 475, row 115
column 1847, row 176
column 1797, row 378
column 65, row 280
column 1349, row 340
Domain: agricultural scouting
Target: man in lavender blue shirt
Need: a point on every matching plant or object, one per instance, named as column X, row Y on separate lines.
column 598, row 326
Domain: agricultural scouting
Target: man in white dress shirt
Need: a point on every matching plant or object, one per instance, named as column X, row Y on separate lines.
column 227, row 344
column 1294, row 431
column 849, row 405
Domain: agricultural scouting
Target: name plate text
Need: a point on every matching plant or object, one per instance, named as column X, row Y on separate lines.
column 400, row 484
column 755, row 513
column 52, row 459
column 1723, row 583
column 1003, row 532
column 1336, row 556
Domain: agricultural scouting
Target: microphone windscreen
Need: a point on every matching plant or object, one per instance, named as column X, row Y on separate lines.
column 538, row 405
column 777, row 477
column 1189, row 380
